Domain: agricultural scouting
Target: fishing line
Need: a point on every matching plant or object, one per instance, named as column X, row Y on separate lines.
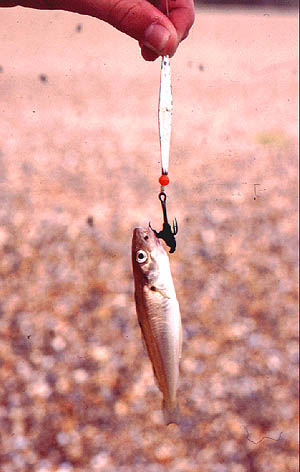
column 167, row 8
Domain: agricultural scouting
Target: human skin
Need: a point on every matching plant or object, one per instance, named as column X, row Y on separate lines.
column 157, row 33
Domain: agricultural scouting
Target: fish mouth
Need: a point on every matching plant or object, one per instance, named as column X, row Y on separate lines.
column 145, row 235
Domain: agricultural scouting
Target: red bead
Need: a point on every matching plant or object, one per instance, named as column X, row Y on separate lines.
column 164, row 180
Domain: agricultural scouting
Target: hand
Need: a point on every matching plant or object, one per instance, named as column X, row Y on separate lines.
column 157, row 34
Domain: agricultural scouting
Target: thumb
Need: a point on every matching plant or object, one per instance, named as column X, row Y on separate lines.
column 143, row 22
column 137, row 18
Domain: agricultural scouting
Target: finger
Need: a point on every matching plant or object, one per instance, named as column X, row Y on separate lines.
column 182, row 15
column 144, row 22
column 137, row 18
column 148, row 54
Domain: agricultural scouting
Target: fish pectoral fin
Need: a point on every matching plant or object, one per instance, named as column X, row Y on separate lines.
column 160, row 291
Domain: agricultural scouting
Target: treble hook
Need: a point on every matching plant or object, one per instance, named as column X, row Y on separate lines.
column 167, row 234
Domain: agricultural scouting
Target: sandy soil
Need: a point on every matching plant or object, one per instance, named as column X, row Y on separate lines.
column 79, row 163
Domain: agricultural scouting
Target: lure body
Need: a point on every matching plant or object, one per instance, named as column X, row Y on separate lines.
column 158, row 314
column 165, row 109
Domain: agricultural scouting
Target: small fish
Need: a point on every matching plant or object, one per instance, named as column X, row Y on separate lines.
column 158, row 314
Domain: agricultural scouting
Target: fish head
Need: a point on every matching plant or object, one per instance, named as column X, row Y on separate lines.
column 147, row 254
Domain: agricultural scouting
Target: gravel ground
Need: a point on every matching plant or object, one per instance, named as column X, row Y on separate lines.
column 79, row 163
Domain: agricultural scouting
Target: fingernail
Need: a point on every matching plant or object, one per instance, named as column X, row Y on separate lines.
column 156, row 37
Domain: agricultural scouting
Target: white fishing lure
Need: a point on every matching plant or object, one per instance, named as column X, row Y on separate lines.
column 165, row 109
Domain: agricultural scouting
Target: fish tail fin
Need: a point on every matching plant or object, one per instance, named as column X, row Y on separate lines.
column 171, row 412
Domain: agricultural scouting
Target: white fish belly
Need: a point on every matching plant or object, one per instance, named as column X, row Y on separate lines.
column 161, row 328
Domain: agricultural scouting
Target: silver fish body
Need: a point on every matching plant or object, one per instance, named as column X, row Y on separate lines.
column 158, row 314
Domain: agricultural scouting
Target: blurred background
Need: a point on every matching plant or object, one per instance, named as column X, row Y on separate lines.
column 79, row 163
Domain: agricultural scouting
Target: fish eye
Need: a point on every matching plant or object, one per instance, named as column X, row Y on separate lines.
column 141, row 256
